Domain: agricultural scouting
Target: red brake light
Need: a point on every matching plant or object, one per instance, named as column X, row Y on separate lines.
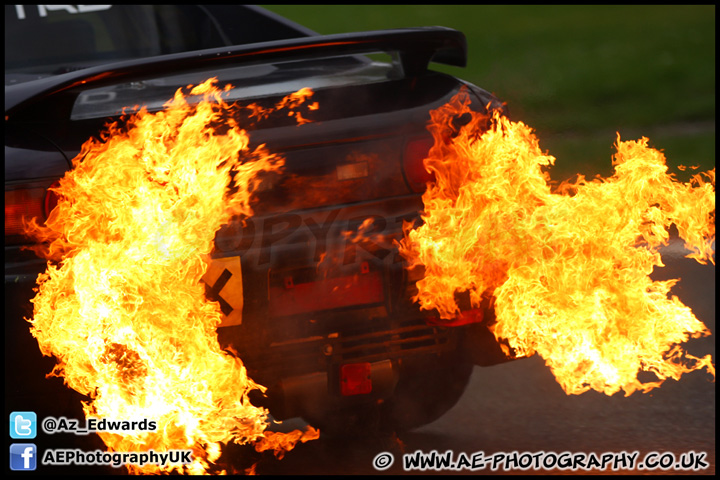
column 416, row 150
column 24, row 203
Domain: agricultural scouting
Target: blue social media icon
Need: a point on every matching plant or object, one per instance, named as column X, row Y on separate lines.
column 23, row 456
column 23, row 425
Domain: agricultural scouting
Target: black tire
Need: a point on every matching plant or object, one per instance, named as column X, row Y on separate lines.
column 427, row 389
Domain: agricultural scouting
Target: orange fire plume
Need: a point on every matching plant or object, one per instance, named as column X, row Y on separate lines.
column 569, row 268
column 123, row 310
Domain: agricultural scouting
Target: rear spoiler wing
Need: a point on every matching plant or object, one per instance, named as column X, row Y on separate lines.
column 416, row 47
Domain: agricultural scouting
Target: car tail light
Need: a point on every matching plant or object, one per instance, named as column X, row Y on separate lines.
column 22, row 204
column 416, row 150
column 27, row 203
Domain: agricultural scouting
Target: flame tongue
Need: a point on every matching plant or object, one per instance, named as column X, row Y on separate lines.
column 124, row 312
column 570, row 268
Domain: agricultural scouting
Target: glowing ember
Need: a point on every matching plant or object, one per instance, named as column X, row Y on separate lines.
column 124, row 311
column 569, row 268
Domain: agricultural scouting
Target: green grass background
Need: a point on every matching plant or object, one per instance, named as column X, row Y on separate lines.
column 578, row 75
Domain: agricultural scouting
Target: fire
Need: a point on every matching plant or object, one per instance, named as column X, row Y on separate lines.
column 289, row 104
column 122, row 307
column 568, row 267
column 280, row 443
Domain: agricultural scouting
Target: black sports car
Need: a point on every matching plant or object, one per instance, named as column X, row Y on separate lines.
column 340, row 343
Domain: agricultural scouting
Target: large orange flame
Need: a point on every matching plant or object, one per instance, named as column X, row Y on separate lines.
column 124, row 311
column 569, row 268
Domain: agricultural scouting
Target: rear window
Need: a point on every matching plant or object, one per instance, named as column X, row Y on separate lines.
column 60, row 38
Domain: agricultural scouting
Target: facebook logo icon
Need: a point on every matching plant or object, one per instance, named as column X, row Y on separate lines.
column 23, row 425
column 23, row 456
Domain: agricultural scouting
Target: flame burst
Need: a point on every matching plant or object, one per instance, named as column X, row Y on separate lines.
column 569, row 269
column 124, row 311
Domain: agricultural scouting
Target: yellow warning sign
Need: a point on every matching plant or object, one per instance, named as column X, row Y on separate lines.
column 223, row 280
